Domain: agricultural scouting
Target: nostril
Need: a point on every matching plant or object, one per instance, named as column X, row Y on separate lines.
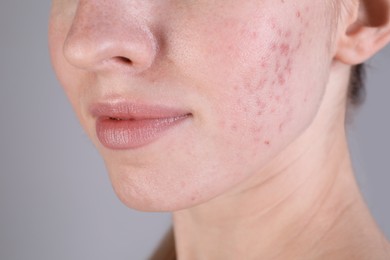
column 124, row 60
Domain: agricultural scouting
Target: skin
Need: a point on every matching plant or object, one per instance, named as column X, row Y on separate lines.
column 263, row 80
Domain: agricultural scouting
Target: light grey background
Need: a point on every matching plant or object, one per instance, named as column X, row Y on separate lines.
column 56, row 201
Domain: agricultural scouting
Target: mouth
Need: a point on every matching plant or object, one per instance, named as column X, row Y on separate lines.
column 121, row 126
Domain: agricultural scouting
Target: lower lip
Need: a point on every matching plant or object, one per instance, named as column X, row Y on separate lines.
column 131, row 134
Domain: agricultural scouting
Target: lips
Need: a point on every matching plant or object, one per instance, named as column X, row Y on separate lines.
column 128, row 126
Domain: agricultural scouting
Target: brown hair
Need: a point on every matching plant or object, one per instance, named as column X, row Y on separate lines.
column 356, row 89
column 166, row 249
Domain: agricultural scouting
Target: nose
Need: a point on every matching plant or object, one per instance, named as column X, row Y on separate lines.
column 105, row 36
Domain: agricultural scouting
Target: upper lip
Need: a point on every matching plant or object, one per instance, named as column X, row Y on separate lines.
column 133, row 111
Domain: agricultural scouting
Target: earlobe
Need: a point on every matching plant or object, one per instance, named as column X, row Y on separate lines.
column 368, row 32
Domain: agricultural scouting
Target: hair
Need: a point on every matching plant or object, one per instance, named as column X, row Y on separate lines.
column 166, row 250
column 356, row 89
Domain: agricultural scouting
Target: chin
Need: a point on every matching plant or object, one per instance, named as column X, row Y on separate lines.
column 149, row 191
column 152, row 200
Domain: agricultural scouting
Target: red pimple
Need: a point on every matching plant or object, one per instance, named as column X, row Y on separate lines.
column 284, row 49
column 254, row 35
column 298, row 14
column 267, row 142
column 281, row 79
column 260, row 104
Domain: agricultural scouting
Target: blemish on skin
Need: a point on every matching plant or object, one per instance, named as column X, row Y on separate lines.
column 256, row 130
column 281, row 126
column 254, row 35
column 284, row 49
column 281, row 79
column 260, row 104
column 267, row 142
column 287, row 43
column 234, row 127
column 263, row 82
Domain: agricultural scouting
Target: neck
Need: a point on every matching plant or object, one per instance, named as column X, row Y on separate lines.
column 312, row 209
column 304, row 205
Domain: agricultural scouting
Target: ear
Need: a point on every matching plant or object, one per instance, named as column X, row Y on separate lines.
column 364, row 30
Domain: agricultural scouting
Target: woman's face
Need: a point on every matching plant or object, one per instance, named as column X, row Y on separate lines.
column 185, row 99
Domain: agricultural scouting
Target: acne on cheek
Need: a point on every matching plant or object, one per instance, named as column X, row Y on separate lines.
column 270, row 83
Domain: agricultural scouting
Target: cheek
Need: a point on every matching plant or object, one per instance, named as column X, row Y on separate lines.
column 267, row 80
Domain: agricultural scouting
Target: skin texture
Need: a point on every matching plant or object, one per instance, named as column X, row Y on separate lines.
column 245, row 86
column 264, row 150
